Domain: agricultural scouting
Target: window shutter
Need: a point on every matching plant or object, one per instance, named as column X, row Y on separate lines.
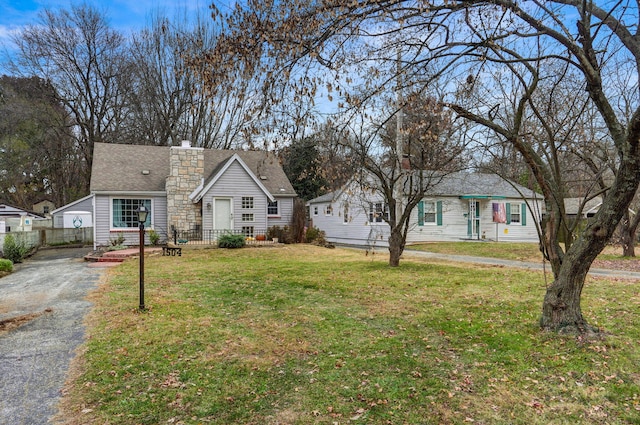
column 439, row 213
column 508, row 213
column 523, row 214
column 421, row 213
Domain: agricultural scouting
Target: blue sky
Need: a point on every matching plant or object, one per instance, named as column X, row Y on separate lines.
column 123, row 15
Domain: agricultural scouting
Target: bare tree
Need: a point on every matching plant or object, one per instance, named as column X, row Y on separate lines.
column 77, row 52
column 462, row 43
column 562, row 126
column 600, row 46
column 399, row 156
column 168, row 101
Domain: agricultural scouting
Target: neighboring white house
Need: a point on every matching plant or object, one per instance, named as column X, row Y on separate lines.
column 14, row 219
column 461, row 206
column 186, row 189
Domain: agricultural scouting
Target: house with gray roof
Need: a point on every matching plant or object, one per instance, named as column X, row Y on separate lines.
column 188, row 190
column 457, row 206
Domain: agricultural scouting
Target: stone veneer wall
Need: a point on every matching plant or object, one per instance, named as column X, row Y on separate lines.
column 186, row 173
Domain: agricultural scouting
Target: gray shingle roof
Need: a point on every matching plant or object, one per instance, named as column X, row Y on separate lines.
column 572, row 205
column 327, row 197
column 480, row 184
column 464, row 184
column 120, row 168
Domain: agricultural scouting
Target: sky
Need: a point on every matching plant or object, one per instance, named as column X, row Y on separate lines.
column 123, row 15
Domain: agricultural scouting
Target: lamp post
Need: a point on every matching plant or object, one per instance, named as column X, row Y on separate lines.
column 142, row 217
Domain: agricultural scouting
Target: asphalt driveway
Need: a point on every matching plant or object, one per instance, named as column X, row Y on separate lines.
column 35, row 357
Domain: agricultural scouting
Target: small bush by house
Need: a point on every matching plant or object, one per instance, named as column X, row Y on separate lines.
column 15, row 249
column 6, row 265
column 231, row 241
column 154, row 237
column 315, row 235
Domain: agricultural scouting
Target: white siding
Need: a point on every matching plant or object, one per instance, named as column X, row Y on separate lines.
column 236, row 184
column 455, row 224
column 285, row 210
column 101, row 220
column 356, row 230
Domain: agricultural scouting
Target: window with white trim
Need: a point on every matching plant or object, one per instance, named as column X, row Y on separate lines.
column 124, row 215
column 247, row 217
column 315, row 210
column 378, row 212
column 345, row 213
column 247, row 231
column 429, row 212
column 247, row 202
column 328, row 210
column 515, row 213
column 272, row 208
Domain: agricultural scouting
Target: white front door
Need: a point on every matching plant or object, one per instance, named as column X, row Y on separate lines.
column 222, row 214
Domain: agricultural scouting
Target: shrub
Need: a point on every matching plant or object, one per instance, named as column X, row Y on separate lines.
column 15, row 249
column 231, row 241
column 118, row 241
column 6, row 265
column 282, row 233
column 312, row 234
column 154, row 237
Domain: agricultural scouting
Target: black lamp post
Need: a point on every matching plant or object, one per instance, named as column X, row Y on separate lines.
column 142, row 217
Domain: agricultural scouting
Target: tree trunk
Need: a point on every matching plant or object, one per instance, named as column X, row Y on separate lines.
column 561, row 310
column 396, row 246
column 561, row 306
column 626, row 239
column 549, row 238
column 627, row 230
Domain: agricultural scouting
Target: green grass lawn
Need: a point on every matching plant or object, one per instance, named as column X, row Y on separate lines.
column 308, row 335
column 518, row 251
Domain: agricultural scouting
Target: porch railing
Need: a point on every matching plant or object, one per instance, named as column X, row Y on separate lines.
column 210, row 237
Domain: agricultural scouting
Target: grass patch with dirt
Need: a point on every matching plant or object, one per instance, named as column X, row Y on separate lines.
column 307, row 335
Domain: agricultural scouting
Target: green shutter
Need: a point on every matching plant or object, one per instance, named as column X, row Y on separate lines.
column 523, row 214
column 421, row 213
column 508, row 213
column 439, row 213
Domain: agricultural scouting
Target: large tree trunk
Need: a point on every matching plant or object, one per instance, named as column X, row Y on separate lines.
column 561, row 306
column 396, row 246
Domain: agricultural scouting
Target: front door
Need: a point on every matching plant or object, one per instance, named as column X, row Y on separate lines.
column 222, row 214
column 473, row 217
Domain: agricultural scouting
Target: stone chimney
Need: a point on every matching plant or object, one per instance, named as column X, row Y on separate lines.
column 186, row 171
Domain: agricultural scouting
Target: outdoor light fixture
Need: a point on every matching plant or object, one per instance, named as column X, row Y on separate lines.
column 142, row 217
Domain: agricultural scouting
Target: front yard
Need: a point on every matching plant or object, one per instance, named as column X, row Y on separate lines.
column 307, row 335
